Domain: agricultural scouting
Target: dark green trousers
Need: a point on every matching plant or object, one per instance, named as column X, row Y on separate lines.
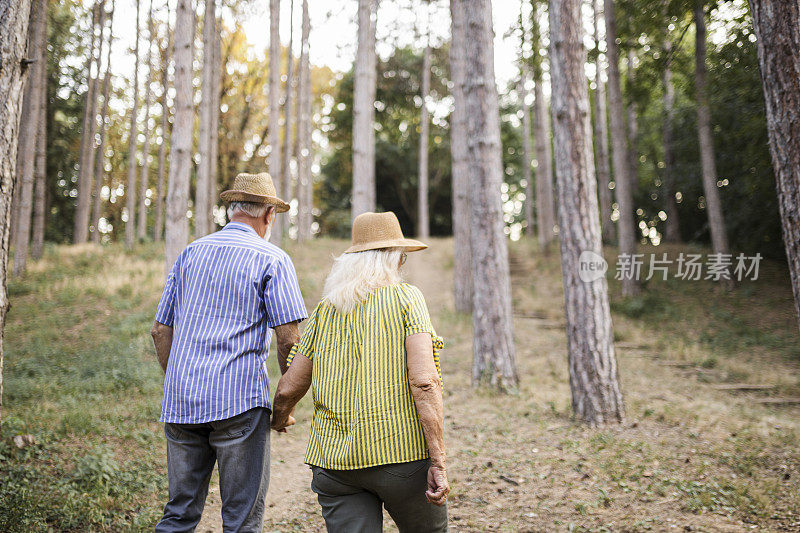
column 352, row 500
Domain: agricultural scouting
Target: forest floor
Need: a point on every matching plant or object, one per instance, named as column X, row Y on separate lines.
column 699, row 451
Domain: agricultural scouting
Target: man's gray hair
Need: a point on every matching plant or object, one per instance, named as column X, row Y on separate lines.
column 252, row 209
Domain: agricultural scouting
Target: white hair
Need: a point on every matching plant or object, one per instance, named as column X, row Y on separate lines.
column 355, row 276
column 252, row 209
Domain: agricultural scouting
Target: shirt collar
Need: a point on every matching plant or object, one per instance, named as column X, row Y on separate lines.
column 241, row 226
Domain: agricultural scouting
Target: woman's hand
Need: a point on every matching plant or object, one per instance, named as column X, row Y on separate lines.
column 280, row 424
column 438, row 487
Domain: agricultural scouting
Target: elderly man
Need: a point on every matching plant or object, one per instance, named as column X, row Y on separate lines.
column 212, row 336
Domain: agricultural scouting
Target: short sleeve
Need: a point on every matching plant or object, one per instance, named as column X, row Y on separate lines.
column 165, row 313
column 282, row 297
column 416, row 318
column 306, row 344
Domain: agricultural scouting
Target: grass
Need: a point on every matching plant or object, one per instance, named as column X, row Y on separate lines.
column 81, row 377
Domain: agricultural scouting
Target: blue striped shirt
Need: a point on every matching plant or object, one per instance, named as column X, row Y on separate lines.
column 222, row 296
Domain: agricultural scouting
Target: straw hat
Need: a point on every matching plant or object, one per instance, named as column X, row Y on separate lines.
column 373, row 231
column 256, row 188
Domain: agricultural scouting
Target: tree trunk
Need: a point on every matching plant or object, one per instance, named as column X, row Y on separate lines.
column 423, row 221
column 28, row 134
column 593, row 379
column 526, row 154
column 672, row 231
column 213, row 141
column 162, row 148
column 203, row 189
column 716, row 221
column 144, row 177
column 364, row 111
column 100, row 154
column 602, row 163
column 633, row 123
column 288, row 124
column 776, row 25
column 545, row 218
column 493, row 345
column 86, row 161
column 462, row 256
column 622, row 180
column 180, row 164
column 40, row 174
column 14, row 20
column 304, row 183
column 130, row 189
column 274, row 138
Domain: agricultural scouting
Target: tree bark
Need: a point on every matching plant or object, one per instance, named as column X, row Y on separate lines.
column 274, row 138
column 596, row 395
column 776, row 26
column 716, row 221
column 633, row 122
column 14, row 21
column 28, row 136
column 40, row 173
column 423, row 221
column 526, row 154
column 623, row 184
column 203, row 189
column 86, row 161
column 130, row 189
column 288, row 123
column 177, row 227
column 162, row 148
column 493, row 344
column 546, row 218
column 364, row 111
column 462, row 256
column 602, row 164
column 100, row 154
column 304, row 182
column 144, row 177
column 213, row 142
column 672, row 232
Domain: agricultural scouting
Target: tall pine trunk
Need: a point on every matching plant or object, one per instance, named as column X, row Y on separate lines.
column 274, row 138
column 462, row 257
column 593, row 379
column 672, row 232
column 40, row 172
column 776, row 25
column 493, row 344
column 213, row 139
column 203, row 189
column 180, row 164
column 289, row 103
column 633, row 122
column 133, row 134
column 100, row 154
column 28, row 134
column 364, row 111
column 602, row 164
column 158, row 225
column 622, row 180
column 423, row 221
column 304, row 184
column 526, row 152
column 716, row 220
column 14, row 21
column 144, row 177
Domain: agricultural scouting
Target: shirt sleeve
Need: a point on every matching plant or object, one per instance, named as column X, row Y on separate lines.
column 417, row 319
column 282, row 296
column 165, row 313
column 306, row 344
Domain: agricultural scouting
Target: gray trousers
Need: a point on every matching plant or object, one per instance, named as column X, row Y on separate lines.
column 240, row 445
column 352, row 500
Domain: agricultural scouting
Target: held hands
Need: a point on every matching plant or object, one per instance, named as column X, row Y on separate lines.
column 280, row 423
column 438, row 487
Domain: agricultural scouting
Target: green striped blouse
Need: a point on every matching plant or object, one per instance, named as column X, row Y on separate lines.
column 364, row 414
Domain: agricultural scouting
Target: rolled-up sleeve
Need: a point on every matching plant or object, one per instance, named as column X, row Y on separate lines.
column 165, row 313
column 282, row 297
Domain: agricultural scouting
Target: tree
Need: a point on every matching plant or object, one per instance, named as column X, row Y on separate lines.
column 274, row 139
column 40, row 171
column 31, row 114
column 633, row 122
column 130, row 189
column 100, row 154
column 423, row 223
column 493, row 345
column 364, row 111
column 162, row 147
column 622, row 179
column 716, row 221
column 462, row 270
column 776, row 26
column 144, row 177
column 86, row 169
column 203, row 191
column 177, row 226
column 288, row 123
column 602, row 165
column 672, row 232
column 305, row 191
column 596, row 396
column 14, row 21
column 213, row 140
column 526, row 151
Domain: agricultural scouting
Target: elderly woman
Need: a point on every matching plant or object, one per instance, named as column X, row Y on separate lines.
column 370, row 355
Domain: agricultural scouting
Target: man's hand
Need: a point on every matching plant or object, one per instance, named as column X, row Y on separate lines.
column 438, row 487
column 281, row 425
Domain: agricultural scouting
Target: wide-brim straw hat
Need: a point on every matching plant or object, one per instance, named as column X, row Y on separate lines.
column 256, row 188
column 374, row 231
